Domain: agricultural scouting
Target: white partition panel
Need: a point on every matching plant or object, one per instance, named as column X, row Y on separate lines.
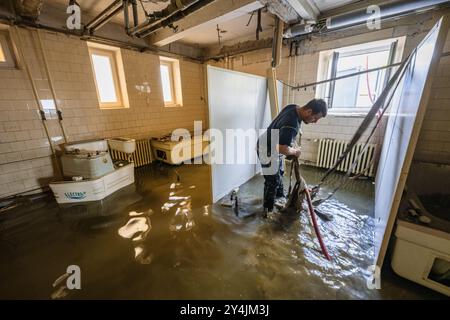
column 237, row 102
column 405, row 120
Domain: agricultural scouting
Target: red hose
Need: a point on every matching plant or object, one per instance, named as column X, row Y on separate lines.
column 316, row 227
column 367, row 80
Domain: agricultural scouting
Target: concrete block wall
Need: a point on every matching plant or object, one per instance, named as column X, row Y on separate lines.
column 25, row 161
column 434, row 141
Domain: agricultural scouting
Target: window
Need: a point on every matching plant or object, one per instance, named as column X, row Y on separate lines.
column 167, row 82
column 359, row 92
column 6, row 54
column 171, row 82
column 109, row 76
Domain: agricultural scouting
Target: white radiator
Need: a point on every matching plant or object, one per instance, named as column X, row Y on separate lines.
column 141, row 157
column 330, row 150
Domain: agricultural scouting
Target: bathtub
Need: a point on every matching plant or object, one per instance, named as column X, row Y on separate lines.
column 422, row 250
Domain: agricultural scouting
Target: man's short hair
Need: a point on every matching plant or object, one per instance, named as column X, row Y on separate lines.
column 317, row 106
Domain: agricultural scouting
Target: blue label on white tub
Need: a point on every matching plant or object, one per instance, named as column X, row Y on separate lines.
column 75, row 195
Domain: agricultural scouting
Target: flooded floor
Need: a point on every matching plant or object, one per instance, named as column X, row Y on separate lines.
column 162, row 239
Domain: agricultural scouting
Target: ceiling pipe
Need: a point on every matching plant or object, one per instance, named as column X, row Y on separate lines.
column 358, row 17
column 20, row 22
column 177, row 10
column 298, row 30
column 155, row 17
column 126, row 15
column 106, row 15
column 388, row 10
column 135, row 13
column 107, row 19
column 168, row 22
column 277, row 42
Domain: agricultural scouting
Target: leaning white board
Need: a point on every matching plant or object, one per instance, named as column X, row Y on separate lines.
column 237, row 101
column 404, row 124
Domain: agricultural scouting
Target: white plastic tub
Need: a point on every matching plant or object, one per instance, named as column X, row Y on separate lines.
column 122, row 144
column 95, row 189
column 415, row 253
column 86, row 146
column 423, row 250
column 174, row 152
column 90, row 166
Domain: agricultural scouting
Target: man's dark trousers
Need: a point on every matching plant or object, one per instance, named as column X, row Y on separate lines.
column 273, row 186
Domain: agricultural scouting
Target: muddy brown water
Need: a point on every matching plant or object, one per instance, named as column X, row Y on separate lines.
column 162, row 239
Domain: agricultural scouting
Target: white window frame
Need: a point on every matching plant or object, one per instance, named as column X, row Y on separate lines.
column 7, row 49
column 175, row 81
column 325, row 69
column 115, row 58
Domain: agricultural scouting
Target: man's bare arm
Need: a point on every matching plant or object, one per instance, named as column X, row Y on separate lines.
column 288, row 151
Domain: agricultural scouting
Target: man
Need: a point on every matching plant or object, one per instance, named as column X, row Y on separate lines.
column 271, row 153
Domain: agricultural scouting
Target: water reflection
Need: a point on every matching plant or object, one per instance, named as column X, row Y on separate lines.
column 137, row 229
column 141, row 255
column 189, row 244
column 93, row 217
column 183, row 219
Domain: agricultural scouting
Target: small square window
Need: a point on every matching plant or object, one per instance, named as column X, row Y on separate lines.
column 6, row 54
column 171, row 82
column 108, row 76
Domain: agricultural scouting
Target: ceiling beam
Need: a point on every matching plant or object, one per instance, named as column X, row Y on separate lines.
column 215, row 13
column 282, row 9
column 305, row 8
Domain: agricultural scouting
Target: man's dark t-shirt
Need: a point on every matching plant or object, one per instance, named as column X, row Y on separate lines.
column 288, row 123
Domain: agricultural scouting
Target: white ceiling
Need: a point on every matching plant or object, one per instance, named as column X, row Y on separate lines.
column 326, row 5
column 235, row 28
column 205, row 35
column 93, row 7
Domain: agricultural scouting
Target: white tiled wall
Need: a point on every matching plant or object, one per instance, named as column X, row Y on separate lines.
column 25, row 161
column 434, row 141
